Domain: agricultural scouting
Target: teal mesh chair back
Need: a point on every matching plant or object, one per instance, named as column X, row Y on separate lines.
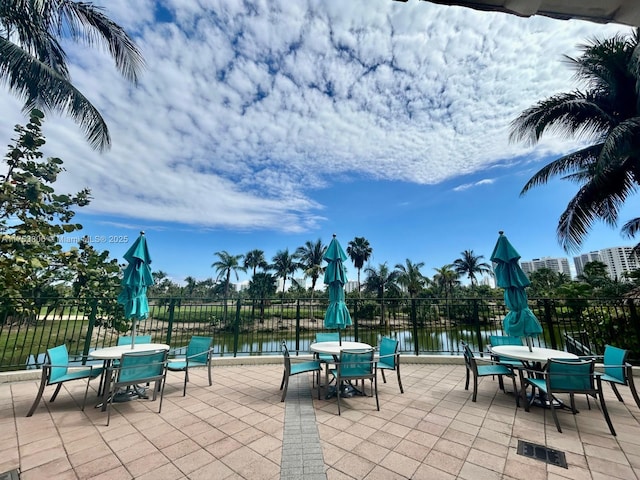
column 495, row 340
column 126, row 340
column 139, row 366
column 571, row 376
column 58, row 356
column 469, row 360
column 616, row 357
column 356, row 363
column 197, row 348
column 327, row 337
column 389, row 358
column 388, row 349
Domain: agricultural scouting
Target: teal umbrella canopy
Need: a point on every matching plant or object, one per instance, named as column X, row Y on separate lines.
column 135, row 281
column 520, row 321
column 335, row 276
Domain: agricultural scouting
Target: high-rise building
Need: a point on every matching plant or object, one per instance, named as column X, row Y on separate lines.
column 559, row 265
column 619, row 260
column 585, row 258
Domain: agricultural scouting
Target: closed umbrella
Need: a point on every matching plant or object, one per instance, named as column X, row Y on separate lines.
column 137, row 277
column 520, row 321
column 335, row 276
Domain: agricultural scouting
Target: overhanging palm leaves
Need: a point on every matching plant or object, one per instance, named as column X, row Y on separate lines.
column 608, row 114
column 33, row 64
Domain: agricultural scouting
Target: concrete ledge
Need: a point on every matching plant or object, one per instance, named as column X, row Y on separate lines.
column 35, row 374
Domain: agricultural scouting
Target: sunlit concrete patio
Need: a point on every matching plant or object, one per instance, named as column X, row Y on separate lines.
column 239, row 429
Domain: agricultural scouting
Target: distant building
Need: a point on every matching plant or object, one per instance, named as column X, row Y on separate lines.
column 585, row 258
column 558, row 265
column 619, row 260
column 488, row 280
column 351, row 286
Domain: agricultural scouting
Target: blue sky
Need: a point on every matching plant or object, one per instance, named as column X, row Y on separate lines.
column 269, row 123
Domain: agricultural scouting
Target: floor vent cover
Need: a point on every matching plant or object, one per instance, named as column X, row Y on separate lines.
column 12, row 475
column 540, row 452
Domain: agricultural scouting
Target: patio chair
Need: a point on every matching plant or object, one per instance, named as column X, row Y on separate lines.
column 571, row 377
column 495, row 340
column 326, row 358
column 136, row 368
column 488, row 369
column 617, row 371
column 389, row 358
column 356, row 365
column 56, row 371
column 198, row 354
column 126, row 340
column 295, row 368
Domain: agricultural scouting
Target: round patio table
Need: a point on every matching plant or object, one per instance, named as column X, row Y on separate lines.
column 535, row 359
column 334, row 348
column 108, row 354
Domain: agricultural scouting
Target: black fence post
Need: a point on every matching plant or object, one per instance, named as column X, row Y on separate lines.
column 92, row 322
column 476, row 321
column 298, row 325
column 172, row 309
column 236, row 329
column 356, row 335
column 414, row 321
column 548, row 320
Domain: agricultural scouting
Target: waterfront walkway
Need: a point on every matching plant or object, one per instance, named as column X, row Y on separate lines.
column 239, row 429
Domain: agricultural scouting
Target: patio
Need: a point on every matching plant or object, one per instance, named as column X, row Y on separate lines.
column 239, row 429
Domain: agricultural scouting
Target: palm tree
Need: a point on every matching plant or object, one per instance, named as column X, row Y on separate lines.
column 410, row 277
column 446, row 278
column 225, row 265
column 607, row 115
column 470, row 264
column 284, row 265
column 34, row 65
column 191, row 284
column 359, row 252
column 378, row 281
column 254, row 260
column 262, row 286
column 310, row 258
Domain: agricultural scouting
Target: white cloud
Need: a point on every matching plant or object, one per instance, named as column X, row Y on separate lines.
column 467, row 186
column 247, row 107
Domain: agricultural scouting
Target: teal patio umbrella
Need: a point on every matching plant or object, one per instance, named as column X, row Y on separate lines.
column 520, row 321
column 137, row 277
column 335, row 276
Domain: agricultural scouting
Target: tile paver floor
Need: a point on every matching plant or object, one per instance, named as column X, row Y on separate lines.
column 239, row 429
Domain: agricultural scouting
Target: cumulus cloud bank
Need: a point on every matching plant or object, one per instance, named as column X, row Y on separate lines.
column 247, row 108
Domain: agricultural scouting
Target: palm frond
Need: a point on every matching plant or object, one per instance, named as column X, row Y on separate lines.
column 87, row 23
column 630, row 228
column 41, row 86
column 570, row 164
column 622, row 143
column 568, row 114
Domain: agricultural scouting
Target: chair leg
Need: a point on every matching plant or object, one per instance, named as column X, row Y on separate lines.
column 553, row 412
column 399, row 381
column 466, row 384
column 43, row 383
column 86, row 391
column 383, row 378
column 515, row 390
column 338, row 392
column 475, row 388
column 615, row 390
column 285, row 383
column 604, row 407
column 375, row 389
column 209, row 366
column 55, row 394
column 632, row 387
column 186, row 379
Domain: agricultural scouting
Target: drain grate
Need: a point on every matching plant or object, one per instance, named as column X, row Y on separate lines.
column 540, row 452
column 12, row 475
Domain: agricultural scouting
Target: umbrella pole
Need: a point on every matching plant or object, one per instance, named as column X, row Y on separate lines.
column 133, row 333
column 339, row 338
column 529, row 343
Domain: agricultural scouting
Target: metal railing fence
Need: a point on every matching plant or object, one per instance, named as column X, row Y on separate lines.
column 256, row 327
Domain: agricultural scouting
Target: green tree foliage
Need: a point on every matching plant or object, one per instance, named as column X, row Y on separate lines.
column 34, row 66
column 470, row 264
column 410, row 277
column 262, row 287
column 607, row 116
column 226, row 265
column 359, row 250
column 446, row 280
column 545, row 283
column 33, row 216
column 254, row 260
